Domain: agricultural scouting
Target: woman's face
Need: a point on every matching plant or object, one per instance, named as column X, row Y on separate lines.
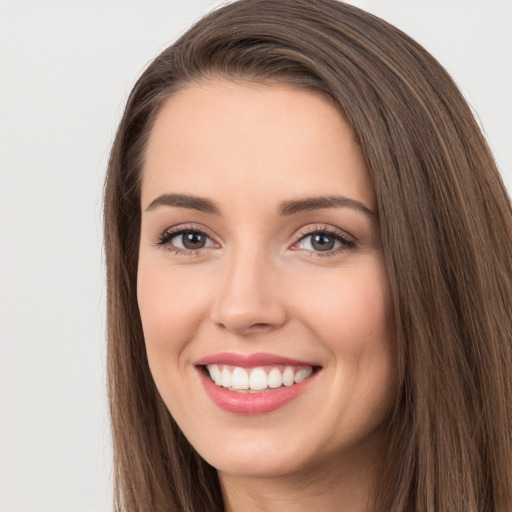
column 261, row 265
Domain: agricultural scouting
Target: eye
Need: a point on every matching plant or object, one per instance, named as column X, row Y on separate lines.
column 319, row 242
column 324, row 241
column 185, row 240
column 190, row 240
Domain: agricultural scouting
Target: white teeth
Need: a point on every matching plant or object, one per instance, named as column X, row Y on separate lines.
column 303, row 374
column 275, row 379
column 240, row 379
column 288, row 376
column 226, row 378
column 257, row 379
column 215, row 374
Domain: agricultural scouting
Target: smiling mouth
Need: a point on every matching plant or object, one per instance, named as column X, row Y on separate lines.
column 251, row 384
column 257, row 379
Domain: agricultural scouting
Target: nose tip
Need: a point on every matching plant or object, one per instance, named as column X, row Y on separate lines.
column 243, row 320
column 249, row 301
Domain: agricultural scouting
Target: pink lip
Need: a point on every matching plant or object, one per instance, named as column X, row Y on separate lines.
column 250, row 360
column 251, row 403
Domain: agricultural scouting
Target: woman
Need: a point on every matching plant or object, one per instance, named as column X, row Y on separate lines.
column 309, row 259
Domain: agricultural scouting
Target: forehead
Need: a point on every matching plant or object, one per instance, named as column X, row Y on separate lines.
column 250, row 139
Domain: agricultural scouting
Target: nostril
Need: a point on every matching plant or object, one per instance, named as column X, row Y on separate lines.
column 241, row 326
column 260, row 326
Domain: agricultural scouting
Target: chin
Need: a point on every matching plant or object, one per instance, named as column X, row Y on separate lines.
column 256, row 464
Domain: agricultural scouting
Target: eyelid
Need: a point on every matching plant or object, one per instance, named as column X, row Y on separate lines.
column 348, row 241
column 163, row 239
column 325, row 228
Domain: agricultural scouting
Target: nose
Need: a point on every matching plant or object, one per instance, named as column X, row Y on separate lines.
column 249, row 298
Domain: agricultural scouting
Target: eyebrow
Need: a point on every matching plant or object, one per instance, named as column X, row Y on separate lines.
column 317, row 203
column 185, row 201
column 286, row 208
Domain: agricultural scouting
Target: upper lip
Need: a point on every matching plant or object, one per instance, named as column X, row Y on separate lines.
column 250, row 360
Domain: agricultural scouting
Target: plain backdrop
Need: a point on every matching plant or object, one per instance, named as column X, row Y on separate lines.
column 66, row 69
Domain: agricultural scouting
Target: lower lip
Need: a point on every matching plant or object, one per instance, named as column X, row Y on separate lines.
column 252, row 403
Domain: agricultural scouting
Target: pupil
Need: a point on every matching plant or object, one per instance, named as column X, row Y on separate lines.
column 322, row 242
column 192, row 240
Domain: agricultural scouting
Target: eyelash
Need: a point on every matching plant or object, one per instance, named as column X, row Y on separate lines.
column 164, row 239
column 347, row 242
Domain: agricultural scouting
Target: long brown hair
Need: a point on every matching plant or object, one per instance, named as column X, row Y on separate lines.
column 446, row 226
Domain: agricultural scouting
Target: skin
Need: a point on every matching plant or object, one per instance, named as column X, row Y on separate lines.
column 260, row 285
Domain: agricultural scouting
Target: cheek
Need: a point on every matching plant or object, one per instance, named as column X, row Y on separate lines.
column 170, row 308
column 354, row 321
column 170, row 311
column 353, row 311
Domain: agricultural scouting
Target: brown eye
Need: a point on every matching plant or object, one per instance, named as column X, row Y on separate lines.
column 185, row 240
column 190, row 240
column 193, row 240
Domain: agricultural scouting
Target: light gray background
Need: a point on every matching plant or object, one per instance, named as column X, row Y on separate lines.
column 65, row 71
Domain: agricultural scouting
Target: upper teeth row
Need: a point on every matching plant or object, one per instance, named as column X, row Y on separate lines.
column 257, row 379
